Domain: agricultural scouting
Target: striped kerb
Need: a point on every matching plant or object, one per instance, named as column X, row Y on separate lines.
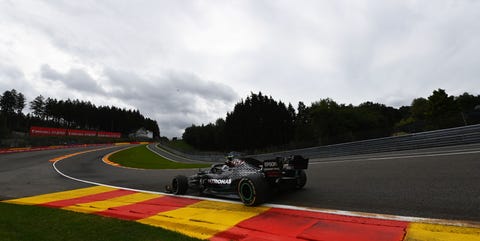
column 233, row 221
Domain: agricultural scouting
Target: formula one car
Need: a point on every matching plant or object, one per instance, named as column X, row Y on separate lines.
column 249, row 179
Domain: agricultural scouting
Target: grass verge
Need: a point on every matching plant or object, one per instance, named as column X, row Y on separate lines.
column 141, row 157
column 181, row 146
column 18, row 223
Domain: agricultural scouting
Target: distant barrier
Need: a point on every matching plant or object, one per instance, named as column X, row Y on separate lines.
column 438, row 138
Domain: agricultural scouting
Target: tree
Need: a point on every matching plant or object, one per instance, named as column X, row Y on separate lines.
column 378, row 120
column 420, row 108
column 303, row 129
column 325, row 120
column 468, row 104
column 258, row 122
column 8, row 102
column 50, row 108
column 38, row 106
column 443, row 111
column 19, row 103
column 12, row 104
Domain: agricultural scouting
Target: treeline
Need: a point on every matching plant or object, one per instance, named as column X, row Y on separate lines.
column 260, row 122
column 253, row 123
column 74, row 114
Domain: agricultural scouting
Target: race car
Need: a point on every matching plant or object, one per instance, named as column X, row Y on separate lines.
column 249, row 179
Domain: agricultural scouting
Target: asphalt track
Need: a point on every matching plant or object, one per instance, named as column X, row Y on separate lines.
column 430, row 183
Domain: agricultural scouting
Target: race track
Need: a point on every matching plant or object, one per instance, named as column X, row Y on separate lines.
column 431, row 183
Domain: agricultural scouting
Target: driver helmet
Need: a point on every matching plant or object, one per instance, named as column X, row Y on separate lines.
column 233, row 162
column 230, row 156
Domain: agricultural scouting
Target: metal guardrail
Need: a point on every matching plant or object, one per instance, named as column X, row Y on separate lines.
column 438, row 138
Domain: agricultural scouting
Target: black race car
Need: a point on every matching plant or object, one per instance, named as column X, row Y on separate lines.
column 248, row 178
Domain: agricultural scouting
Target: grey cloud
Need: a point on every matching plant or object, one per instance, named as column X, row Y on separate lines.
column 11, row 73
column 175, row 100
column 192, row 84
column 173, row 86
column 76, row 79
column 11, row 77
column 49, row 73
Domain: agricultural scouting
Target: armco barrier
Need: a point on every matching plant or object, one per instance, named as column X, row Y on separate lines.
column 439, row 138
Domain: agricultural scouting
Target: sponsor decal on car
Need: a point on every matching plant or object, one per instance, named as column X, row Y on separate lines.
column 220, row 181
column 272, row 165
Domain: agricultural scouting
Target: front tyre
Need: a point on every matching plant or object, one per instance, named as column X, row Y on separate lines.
column 179, row 185
column 252, row 190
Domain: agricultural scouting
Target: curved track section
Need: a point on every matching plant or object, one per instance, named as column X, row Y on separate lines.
column 432, row 183
column 30, row 173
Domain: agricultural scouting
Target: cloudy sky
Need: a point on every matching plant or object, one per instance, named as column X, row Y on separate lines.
column 182, row 62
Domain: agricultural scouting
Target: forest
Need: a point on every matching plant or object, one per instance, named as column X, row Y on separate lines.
column 73, row 114
column 260, row 122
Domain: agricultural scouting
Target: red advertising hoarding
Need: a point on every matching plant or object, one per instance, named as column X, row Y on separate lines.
column 46, row 131
column 109, row 134
column 81, row 133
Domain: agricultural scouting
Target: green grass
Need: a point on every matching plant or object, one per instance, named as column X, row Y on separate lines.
column 18, row 223
column 141, row 157
column 181, row 146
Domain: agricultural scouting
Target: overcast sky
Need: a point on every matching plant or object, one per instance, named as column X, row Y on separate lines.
column 182, row 62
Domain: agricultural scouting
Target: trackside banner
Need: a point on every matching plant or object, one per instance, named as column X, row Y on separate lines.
column 81, row 133
column 46, row 131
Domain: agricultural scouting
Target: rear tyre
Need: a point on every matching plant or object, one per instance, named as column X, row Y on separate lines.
column 252, row 190
column 301, row 180
column 179, row 185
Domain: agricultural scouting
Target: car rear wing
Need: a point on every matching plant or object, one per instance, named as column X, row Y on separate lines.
column 295, row 162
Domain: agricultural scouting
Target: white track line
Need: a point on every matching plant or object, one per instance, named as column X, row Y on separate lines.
column 148, row 147
column 173, row 154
